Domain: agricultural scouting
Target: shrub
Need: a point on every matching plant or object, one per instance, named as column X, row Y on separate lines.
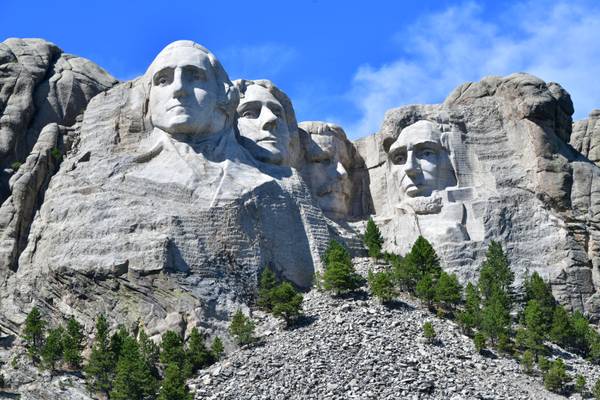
column 382, row 285
column 556, row 377
column 34, row 333
column 267, row 283
column 340, row 278
column 470, row 317
column 580, row 384
column 596, row 390
column 217, row 348
column 173, row 385
column 52, row 351
column 448, row 290
column 373, row 239
column 544, row 364
column 479, row 341
column 197, row 353
column 287, row 302
column 527, row 361
column 428, row 331
column 73, row 343
column 241, row 328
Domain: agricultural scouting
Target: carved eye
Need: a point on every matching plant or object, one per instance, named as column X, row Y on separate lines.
column 426, row 153
column 250, row 114
column 399, row 158
column 198, row 75
column 161, row 80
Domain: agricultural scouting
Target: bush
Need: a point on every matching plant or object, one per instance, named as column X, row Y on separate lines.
column 217, row 348
column 428, row 331
column 527, row 361
column 580, row 384
column 470, row 317
column 287, row 302
column 241, row 328
column 544, row 364
column 479, row 341
column 596, row 390
column 373, row 239
column 197, row 353
column 73, row 343
column 448, row 290
column 52, row 351
column 173, row 385
column 100, row 368
column 34, row 333
column 267, row 283
column 425, row 289
column 382, row 285
column 556, row 377
column 340, row 278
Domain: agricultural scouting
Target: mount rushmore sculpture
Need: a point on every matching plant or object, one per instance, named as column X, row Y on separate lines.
column 162, row 198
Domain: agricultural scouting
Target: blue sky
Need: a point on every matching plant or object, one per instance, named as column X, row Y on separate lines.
column 341, row 61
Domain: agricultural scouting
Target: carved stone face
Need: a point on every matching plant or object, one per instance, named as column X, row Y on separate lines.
column 263, row 126
column 327, row 163
column 184, row 93
column 419, row 162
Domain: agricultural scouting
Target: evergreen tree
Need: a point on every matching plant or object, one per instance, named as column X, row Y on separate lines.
column 34, row 333
column 172, row 351
column 52, row 351
column 495, row 317
column 197, row 353
column 581, row 329
column 496, row 277
column 470, row 317
column 448, row 290
column 241, row 328
column 149, row 352
column 373, row 239
column 425, row 289
column 424, row 258
column 580, row 384
column 540, row 291
column 527, row 362
column 596, row 390
column 535, row 327
column 428, row 331
column 100, row 367
column 561, row 331
column 217, row 349
column 267, row 283
column 73, row 343
column 382, row 285
column 479, row 341
column 173, row 385
column 287, row 302
column 406, row 274
column 556, row 377
column 339, row 275
column 133, row 380
column 116, row 343
column 335, row 252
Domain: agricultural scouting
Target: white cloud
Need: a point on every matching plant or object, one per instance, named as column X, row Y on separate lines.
column 558, row 42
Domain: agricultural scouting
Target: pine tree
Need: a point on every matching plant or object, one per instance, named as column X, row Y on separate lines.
column 287, row 302
column 425, row 289
column 217, row 349
column 172, row 351
column 470, row 317
column 116, row 343
column 101, row 365
column 339, row 275
column 197, row 353
column 495, row 318
column 479, row 341
column 34, row 333
column 267, row 283
column 561, row 331
column 421, row 260
column 373, row 239
column 382, row 285
column 535, row 327
column 428, row 331
column 496, row 277
column 581, row 329
column 556, row 377
column 133, row 380
column 73, row 343
column 448, row 290
column 149, row 352
column 335, row 252
column 527, row 362
column 173, row 385
column 52, row 351
column 241, row 328
column 540, row 291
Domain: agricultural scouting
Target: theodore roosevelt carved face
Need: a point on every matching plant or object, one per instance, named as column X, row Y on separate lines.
column 419, row 161
column 190, row 93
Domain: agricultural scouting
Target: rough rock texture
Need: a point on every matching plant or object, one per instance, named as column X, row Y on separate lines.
column 586, row 136
column 518, row 182
column 359, row 349
column 40, row 87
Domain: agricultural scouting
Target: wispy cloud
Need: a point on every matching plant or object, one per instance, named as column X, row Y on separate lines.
column 263, row 61
column 556, row 41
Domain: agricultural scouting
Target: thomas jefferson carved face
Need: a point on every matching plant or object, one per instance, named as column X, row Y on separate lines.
column 419, row 162
column 184, row 92
column 263, row 126
column 328, row 160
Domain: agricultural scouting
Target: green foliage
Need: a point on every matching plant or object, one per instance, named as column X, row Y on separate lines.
column 527, row 361
column 419, row 262
column 561, row 331
column 382, row 285
column 544, row 364
column 116, row 343
column 495, row 318
column 267, row 283
column 448, row 291
column 100, row 368
column 470, row 317
column 580, row 384
column 73, row 343
column 52, row 351
column 556, row 377
column 596, row 390
column 581, row 329
column 33, row 333
column 149, row 352
column 479, row 341
column 197, row 353
column 287, row 302
column 540, row 291
column 339, row 275
column 535, row 327
column 16, row 165
column 428, row 331
column 373, row 239
column 56, row 154
column 241, row 328
column 425, row 289
column 496, row 277
column 133, row 380
column 173, row 385
column 172, row 351
column 217, row 348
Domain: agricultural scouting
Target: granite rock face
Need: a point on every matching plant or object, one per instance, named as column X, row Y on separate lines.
column 586, row 136
column 516, row 180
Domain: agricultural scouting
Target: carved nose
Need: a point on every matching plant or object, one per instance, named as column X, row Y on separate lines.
column 268, row 119
column 411, row 167
column 177, row 85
